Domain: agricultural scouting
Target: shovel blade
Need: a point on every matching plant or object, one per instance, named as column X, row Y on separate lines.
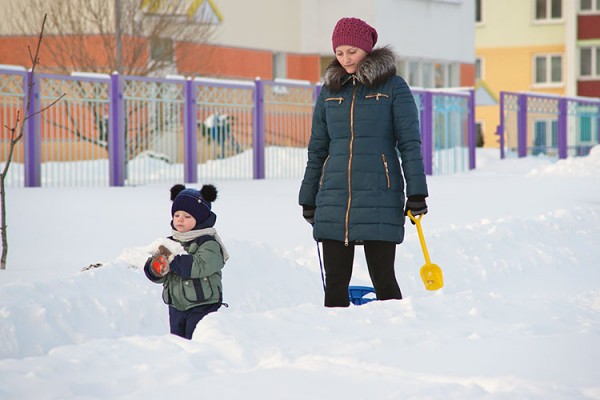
column 432, row 277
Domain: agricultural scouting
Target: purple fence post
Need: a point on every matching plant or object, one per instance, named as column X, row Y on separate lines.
column 563, row 111
column 258, row 139
column 190, row 134
column 32, row 140
column 471, row 130
column 427, row 132
column 500, row 127
column 522, row 125
column 116, row 134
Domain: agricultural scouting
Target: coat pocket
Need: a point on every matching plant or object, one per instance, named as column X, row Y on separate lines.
column 377, row 96
column 338, row 100
column 166, row 295
column 323, row 173
column 387, row 171
column 197, row 290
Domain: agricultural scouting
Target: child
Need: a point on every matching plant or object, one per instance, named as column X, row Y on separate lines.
column 191, row 282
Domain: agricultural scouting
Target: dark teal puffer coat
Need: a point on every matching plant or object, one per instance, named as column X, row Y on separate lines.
column 361, row 123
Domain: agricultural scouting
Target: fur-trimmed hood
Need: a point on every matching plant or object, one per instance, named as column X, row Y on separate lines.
column 374, row 69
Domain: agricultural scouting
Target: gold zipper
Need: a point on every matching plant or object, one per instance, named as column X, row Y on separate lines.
column 338, row 99
column 387, row 171
column 323, row 173
column 376, row 95
column 350, row 167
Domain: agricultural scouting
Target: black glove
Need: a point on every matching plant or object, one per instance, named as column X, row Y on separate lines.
column 308, row 212
column 416, row 205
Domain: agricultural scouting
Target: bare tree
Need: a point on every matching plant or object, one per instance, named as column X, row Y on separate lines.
column 133, row 37
column 16, row 134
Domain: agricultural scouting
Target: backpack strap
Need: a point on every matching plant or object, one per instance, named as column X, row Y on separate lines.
column 202, row 239
column 206, row 238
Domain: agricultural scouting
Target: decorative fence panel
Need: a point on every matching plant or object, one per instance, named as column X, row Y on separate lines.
column 450, row 117
column 287, row 125
column 13, row 86
column 124, row 130
column 73, row 142
column 153, row 125
column 225, row 117
column 553, row 127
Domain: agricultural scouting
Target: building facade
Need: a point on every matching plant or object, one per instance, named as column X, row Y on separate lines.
column 546, row 46
column 291, row 39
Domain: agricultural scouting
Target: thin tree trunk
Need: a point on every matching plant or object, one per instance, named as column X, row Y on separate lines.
column 3, row 225
column 16, row 135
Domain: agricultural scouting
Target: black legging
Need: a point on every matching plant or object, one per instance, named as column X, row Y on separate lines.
column 338, row 259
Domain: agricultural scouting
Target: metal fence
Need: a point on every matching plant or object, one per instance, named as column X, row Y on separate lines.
column 13, row 86
column 553, row 127
column 125, row 130
column 448, row 130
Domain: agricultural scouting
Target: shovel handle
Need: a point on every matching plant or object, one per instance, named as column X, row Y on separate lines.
column 417, row 221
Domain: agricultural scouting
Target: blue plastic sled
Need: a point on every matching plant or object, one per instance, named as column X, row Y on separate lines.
column 357, row 294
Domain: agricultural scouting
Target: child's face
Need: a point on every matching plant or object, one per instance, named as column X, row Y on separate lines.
column 183, row 222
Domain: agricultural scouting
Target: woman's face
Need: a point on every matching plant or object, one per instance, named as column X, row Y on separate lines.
column 349, row 57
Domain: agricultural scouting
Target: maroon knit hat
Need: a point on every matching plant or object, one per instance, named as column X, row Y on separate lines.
column 354, row 32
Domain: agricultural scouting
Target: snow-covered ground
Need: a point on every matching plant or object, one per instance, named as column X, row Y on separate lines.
column 518, row 318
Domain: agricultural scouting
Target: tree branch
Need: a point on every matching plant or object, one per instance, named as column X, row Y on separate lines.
column 16, row 137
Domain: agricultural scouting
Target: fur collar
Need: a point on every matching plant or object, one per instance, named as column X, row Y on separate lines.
column 377, row 67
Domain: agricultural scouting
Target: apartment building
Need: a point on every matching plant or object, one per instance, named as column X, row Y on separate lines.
column 546, row 46
column 290, row 39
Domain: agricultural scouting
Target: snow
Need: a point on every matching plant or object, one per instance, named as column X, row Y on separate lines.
column 518, row 317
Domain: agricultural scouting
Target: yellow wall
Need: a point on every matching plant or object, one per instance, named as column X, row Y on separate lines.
column 510, row 23
column 510, row 70
column 507, row 40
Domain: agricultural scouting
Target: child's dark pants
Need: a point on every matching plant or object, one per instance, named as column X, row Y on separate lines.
column 183, row 323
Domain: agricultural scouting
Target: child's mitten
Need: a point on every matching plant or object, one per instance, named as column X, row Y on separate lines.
column 159, row 265
column 163, row 251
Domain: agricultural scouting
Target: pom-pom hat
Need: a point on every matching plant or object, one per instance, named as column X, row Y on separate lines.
column 354, row 32
column 195, row 202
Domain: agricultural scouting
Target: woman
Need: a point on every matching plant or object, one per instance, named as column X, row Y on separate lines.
column 353, row 186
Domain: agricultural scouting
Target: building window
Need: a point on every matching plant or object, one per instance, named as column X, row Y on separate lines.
column 585, row 62
column 400, row 67
column 589, row 6
column 478, row 14
column 279, row 65
column 478, row 68
column 414, row 76
column 548, row 69
column 556, row 69
column 453, row 75
column 427, row 75
column 589, row 62
column 325, row 62
column 161, row 49
column 548, row 10
column 440, row 75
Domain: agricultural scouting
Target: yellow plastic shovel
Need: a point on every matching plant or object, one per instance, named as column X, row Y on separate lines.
column 431, row 274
